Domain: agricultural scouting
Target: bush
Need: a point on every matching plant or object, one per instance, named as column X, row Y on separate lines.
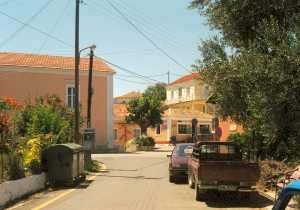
column 32, row 155
column 242, row 140
column 144, row 141
column 47, row 116
column 271, row 171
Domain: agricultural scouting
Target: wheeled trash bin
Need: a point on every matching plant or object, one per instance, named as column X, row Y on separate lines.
column 65, row 164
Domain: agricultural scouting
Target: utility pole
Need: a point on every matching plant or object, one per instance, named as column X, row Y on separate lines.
column 168, row 77
column 77, row 63
column 90, row 88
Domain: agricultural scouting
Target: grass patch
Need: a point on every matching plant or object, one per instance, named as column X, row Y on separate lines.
column 95, row 167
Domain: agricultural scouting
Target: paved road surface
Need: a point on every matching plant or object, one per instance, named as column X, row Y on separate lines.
column 134, row 182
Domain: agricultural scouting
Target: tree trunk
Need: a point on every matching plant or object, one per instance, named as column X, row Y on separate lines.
column 144, row 130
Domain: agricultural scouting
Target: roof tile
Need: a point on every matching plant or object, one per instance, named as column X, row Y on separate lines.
column 50, row 62
column 186, row 78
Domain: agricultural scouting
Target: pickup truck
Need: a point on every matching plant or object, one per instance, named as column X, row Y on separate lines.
column 219, row 166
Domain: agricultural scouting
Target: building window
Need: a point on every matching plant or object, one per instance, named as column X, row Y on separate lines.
column 115, row 134
column 180, row 92
column 184, row 128
column 71, row 96
column 136, row 132
column 172, row 94
column 204, row 129
column 188, row 91
column 158, row 129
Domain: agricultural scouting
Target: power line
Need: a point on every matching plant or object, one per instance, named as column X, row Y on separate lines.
column 6, row 2
column 36, row 29
column 15, row 33
column 157, row 75
column 148, row 79
column 130, row 71
column 165, row 34
column 131, row 81
column 59, row 18
column 145, row 35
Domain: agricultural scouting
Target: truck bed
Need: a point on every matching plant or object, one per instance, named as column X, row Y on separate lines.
column 228, row 171
column 224, row 175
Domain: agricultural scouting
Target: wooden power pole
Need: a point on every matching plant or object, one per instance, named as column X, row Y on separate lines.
column 77, row 63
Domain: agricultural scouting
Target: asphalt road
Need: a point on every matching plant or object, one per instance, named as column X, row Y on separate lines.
column 134, row 182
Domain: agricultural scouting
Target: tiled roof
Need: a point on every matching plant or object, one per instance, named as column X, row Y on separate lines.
column 130, row 95
column 50, row 62
column 186, row 78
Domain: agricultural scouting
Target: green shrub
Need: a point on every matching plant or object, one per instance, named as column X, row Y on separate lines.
column 47, row 116
column 242, row 140
column 144, row 141
column 32, row 155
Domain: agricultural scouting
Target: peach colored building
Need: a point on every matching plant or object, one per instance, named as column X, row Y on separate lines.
column 123, row 131
column 26, row 76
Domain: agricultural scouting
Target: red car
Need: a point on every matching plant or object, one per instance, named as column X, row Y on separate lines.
column 178, row 161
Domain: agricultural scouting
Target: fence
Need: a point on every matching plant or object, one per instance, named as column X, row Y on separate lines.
column 4, row 164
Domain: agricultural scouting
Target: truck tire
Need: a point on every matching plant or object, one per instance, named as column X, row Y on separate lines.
column 171, row 179
column 191, row 181
column 198, row 194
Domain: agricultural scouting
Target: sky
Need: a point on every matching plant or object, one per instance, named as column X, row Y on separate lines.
column 169, row 24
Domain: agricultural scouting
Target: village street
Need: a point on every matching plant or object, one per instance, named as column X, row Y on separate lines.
column 134, row 182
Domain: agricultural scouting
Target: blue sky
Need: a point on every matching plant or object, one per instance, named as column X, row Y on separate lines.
column 168, row 23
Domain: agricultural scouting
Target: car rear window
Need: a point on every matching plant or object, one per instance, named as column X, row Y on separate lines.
column 179, row 150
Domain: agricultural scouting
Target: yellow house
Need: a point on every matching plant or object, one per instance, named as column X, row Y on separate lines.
column 187, row 100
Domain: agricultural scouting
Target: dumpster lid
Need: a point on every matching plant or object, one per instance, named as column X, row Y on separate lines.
column 71, row 146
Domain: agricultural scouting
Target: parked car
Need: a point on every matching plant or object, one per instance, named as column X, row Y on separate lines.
column 289, row 197
column 178, row 161
column 219, row 166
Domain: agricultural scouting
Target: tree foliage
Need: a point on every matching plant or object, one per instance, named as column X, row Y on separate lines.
column 145, row 111
column 253, row 68
column 158, row 90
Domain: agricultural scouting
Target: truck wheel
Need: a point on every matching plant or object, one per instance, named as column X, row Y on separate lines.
column 197, row 193
column 191, row 181
column 171, row 179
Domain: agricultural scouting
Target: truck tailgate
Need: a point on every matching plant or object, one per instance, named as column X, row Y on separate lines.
column 228, row 171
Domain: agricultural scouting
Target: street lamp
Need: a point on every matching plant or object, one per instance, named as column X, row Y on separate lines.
column 90, row 80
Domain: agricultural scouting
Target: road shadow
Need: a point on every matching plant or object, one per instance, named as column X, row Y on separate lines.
column 181, row 181
column 131, row 177
column 77, row 185
column 236, row 200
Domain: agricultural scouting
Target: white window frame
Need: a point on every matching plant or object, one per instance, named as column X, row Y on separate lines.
column 67, row 95
column 134, row 132
column 208, row 125
column 184, row 123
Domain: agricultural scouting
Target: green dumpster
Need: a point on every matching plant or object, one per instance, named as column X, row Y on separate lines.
column 65, row 163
